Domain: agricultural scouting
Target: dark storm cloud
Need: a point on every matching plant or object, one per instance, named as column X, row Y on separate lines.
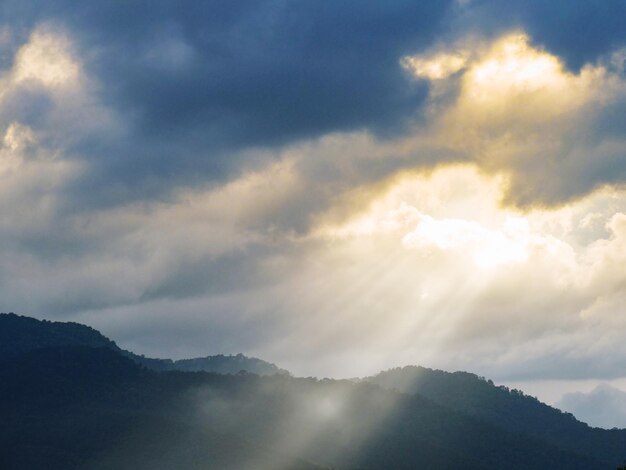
column 195, row 82
column 579, row 31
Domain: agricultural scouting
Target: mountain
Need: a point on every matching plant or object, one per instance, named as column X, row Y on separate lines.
column 92, row 406
column 20, row 334
column 77, row 407
column 221, row 364
column 510, row 409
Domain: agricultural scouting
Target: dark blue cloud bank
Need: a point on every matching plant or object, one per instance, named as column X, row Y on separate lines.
column 578, row 31
column 194, row 83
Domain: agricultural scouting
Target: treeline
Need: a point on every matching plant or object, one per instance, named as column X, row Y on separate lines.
column 82, row 407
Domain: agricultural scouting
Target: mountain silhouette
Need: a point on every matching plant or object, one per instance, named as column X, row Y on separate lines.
column 92, row 406
column 19, row 334
column 511, row 409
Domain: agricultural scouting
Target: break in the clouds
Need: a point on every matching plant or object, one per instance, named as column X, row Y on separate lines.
column 336, row 187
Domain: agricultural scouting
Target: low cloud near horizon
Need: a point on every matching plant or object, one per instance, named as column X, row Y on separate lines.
column 604, row 406
column 336, row 188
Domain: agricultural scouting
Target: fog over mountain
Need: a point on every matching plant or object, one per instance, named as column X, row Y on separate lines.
column 71, row 399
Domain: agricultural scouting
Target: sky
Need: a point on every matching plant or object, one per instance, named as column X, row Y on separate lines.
column 337, row 187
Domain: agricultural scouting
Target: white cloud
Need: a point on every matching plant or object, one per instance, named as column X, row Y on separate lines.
column 515, row 108
column 488, row 248
column 437, row 67
column 47, row 59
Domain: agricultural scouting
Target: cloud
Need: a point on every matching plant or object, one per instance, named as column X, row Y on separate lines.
column 435, row 68
column 516, row 109
column 604, row 407
column 335, row 188
column 190, row 104
column 192, row 87
column 45, row 60
column 433, row 271
column 373, row 290
column 579, row 31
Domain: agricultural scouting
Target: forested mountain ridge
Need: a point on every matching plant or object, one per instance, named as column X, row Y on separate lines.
column 92, row 408
column 83, row 407
column 219, row 363
column 19, row 334
column 479, row 397
column 78, row 407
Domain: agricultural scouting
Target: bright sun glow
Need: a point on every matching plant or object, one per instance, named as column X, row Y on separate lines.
column 487, row 248
column 513, row 78
column 429, row 215
column 514, row 64
column 508, row 79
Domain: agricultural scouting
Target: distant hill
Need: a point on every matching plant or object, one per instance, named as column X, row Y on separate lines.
column 510, row 409
column 220, row 364
column 71, row 399
column 93, row 408
column 20, row 334
column 78, row 407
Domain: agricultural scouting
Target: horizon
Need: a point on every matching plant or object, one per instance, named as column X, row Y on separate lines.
column 582, row 403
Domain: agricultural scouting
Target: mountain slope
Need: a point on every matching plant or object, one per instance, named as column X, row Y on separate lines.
column 220, row 364
column 71, row 399
column 80, row 407
column 19, row 334
column 508, row 409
